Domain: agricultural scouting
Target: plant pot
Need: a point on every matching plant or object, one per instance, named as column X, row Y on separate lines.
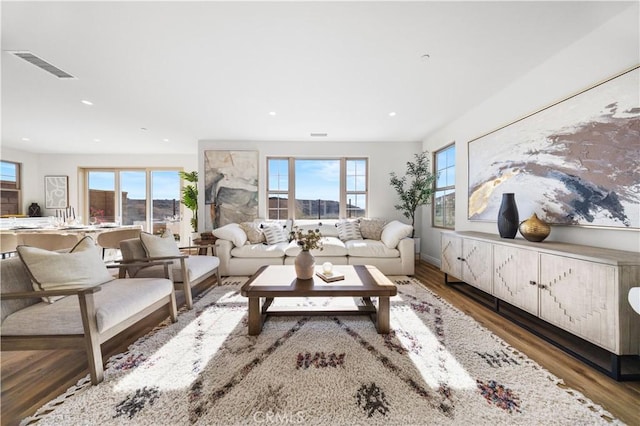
column 305, row 265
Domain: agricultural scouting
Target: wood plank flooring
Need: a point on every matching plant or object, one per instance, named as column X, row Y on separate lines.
column 32, row 378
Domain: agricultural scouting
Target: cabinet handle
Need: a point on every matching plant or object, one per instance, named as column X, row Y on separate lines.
column 533, row 282
column 542, row 286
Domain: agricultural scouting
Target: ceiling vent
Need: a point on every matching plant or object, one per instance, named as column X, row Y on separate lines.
column 41, row 63
column 318, row 135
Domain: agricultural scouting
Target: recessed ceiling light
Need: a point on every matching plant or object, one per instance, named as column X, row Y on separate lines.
column 86, row 102
column 144, row 128
column 26, row 139
column 96, row 140
column 165, row 140
column 392, row 114
column 272, row 113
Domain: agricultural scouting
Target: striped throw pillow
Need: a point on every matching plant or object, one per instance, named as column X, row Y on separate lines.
column 275, row 234
column 349, row 230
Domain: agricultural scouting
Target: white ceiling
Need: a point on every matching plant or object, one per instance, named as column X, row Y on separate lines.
column 214, row 70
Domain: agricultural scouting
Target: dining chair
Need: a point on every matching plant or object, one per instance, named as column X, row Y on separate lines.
column 48, row 241
column 8, row 244
column 111, row 239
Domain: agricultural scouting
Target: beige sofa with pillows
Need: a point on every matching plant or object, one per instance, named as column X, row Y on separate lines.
column 245, row 247
column 69, row 300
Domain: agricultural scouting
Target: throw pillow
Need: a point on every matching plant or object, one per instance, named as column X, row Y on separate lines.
column 232, row 232
column 159, row 246
column 275, row 234
column 393, row 232
column 81, row 267
column 253, row 231
column 349, row 230
column 371, row 229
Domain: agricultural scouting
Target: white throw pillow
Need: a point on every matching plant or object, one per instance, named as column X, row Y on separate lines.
column 159, row 246
column 275, row 234
column 232, row 232
column 393, row 232
column 349, row 230
column 81, row 267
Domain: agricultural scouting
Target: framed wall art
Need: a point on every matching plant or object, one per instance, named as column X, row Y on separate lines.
column 576, row 162
column 231, row 187
column 56, row 192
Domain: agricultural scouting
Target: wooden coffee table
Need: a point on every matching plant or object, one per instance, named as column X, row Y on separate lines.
column 363, row 282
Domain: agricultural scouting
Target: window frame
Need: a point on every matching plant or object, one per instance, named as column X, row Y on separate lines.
column 343, row 195
column 84, row 174
column 14, row 187
column 437, row 188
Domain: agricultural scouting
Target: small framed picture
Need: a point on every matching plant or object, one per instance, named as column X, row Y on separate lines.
column 56, row 192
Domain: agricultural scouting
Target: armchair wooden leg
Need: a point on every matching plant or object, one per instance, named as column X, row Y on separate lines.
column 173, row 309
column 218, row 276
column 186, row 281
column 91, row 338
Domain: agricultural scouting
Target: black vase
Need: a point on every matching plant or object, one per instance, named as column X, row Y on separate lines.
column 34, row 210
column 508, row 220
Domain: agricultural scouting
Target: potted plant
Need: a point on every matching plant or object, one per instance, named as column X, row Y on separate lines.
column 415, row 188
column 190, row 196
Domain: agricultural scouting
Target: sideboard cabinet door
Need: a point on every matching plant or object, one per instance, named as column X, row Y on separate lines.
column 515, row 277
column 580, row 297
column 476, row 265
column 451, row 253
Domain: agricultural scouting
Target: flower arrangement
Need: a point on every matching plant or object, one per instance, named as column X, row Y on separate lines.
column 312, row 239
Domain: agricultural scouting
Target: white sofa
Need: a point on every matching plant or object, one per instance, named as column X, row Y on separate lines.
column 392, row 254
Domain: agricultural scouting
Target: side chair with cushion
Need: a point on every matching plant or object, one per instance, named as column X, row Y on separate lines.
column 111, row 239
column 68, row 300
column 186, row 271
column 48, row 241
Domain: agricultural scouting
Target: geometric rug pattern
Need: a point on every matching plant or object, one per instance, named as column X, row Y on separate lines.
column 436, row 366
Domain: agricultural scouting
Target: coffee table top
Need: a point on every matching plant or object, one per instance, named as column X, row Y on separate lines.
column 281, row 281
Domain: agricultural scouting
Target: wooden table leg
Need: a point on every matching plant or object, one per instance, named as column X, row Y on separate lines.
column 383, row 315
column 255, row 316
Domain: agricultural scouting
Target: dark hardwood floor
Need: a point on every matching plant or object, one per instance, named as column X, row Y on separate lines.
column 32, row 378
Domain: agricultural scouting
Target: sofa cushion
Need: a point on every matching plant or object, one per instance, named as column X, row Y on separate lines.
column 275, row 234
column 394, row 231
column 349, row 230
column 260, row 250
column 253, row 231
column 331, row 246
column 232, row 232
column 370, row 248
column 197, row 266
column 15, row 279
column 371, row 228
column 81, row 267
column 159, row 246
column 327, row 228
column 114, row 303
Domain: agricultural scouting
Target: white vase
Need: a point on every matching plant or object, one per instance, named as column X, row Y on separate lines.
column 305, row 265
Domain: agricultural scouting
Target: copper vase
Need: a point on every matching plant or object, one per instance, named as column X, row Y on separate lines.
column 534, row 229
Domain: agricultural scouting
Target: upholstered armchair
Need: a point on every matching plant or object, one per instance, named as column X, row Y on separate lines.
column 186, row 271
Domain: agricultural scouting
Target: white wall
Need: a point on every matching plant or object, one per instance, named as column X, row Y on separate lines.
column 37, row 166
column 607, row 51
column 384, row 158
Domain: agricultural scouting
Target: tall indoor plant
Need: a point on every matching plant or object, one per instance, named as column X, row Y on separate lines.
column 415, row 188
column 190, row 196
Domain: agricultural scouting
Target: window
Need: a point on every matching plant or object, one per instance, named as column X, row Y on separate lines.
column 150, row 198
column 10, row 187
column 328, row 188
column 444, row 205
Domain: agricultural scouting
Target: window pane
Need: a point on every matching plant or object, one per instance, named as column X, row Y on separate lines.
column 278, row 207
column 317, row 189
column 438, row 209
column 450, row 209
column 444, row 200
column 102, row 196
column 451, row 176
column 278, row 174
column 441, row 182
column 451, row 156
column 133, row 190
column 165, row 200
column 356, row 205
column 9, row 171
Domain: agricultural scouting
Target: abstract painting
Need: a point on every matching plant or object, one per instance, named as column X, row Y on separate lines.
column 56, row 192
column 231, row 187
column 576, row 162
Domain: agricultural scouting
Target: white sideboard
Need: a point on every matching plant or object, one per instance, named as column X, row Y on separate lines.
column 580, row 289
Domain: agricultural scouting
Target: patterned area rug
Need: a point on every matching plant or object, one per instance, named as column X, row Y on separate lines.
column 437, row 366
